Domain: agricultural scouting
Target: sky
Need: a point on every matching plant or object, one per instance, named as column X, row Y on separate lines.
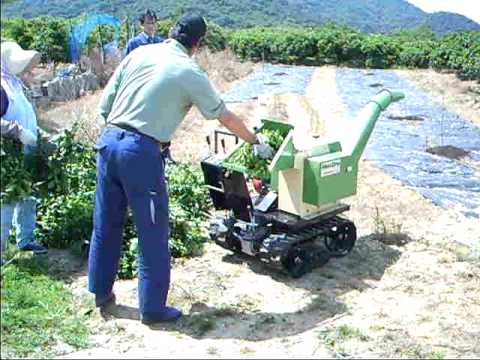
column 469, row 8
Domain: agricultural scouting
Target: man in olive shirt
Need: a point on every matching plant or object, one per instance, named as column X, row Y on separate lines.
column 143, row 104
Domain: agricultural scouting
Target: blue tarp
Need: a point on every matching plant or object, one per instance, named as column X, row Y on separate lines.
column 79, row 33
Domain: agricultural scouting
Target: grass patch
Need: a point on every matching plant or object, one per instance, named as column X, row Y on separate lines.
column 436, row 355
column 336, row 338
column 212, row 350
column 203, row 322
column 347, row 332
column 389, row 232
column 38, row 313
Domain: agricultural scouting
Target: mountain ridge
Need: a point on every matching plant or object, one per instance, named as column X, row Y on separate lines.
column 365, row 15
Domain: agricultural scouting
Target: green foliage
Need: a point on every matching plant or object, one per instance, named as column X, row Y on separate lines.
column 65, row 219
column 164, row 27
column 341, row 45
column 15, row 181
column 416, row 46
column 48, row 35
column 34, row 322
column 378, row 16
column 421, row 33
column 216, row 38
column 187, row 232
column 245, row 157
column 100, row 36
column 186, row 187
column 328, row 44
column 65, row 188
column 379, row 51
column 285, row 45
column 128, row 266
column 189, row 203
column 459, row 51
column 70, row 166
column 415, row 54
column 295, row 47
column 17, row 29
column 65, row 176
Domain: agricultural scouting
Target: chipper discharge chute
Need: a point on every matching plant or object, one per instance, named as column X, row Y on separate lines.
column 292, row 217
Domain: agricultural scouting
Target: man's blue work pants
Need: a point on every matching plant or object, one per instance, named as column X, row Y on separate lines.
column 130, row 171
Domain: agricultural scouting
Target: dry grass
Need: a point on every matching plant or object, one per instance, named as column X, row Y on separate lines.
column 82, row 111
column 222, row 68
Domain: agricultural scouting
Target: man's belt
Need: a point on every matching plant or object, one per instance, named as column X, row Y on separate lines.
column 162, row 145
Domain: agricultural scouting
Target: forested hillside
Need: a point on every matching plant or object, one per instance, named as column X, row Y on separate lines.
column 364, row 15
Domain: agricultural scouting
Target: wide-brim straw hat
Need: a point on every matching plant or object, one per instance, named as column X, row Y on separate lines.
column 15, row 58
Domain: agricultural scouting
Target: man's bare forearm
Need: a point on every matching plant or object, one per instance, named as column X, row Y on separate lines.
column 236, row 125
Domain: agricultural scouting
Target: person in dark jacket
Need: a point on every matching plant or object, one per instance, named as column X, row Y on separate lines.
column 148, row 21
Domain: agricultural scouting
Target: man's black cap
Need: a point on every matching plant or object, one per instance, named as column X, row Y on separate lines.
column 193, row 26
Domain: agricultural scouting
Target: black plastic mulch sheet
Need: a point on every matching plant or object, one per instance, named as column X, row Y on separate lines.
column 398, row 146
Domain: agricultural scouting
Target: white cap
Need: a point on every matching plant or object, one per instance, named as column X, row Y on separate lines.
column 15, row 58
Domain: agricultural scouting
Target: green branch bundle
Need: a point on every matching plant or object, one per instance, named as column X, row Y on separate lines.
column 16, row 180
column 245, row 157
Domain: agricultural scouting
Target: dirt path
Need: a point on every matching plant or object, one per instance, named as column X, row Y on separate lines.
column 407, row 290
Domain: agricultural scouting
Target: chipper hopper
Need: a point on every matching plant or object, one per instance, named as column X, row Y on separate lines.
column 292, row 216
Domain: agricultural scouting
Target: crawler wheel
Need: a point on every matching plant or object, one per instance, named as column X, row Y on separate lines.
column 297, row 262
column 341, row 239
column 232, row 243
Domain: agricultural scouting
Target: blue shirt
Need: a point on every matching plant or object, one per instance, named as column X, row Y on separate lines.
column 142, row 39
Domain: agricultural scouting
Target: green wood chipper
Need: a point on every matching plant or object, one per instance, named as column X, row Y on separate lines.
column 289, row 215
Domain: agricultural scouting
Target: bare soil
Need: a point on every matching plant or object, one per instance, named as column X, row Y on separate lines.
column 407, row 290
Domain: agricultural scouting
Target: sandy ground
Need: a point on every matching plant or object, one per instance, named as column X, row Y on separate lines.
column 407, row 290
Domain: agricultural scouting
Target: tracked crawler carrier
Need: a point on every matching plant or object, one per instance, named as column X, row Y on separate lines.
column 293, row 216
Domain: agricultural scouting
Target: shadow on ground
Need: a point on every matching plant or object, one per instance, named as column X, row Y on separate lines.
column 365, row 264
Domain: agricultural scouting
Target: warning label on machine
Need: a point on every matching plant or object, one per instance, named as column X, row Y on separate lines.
column 330, row 168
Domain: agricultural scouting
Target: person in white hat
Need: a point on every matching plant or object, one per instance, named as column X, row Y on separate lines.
column 18, row 120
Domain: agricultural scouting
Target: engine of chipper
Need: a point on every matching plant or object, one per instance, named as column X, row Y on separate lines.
column 290, row 214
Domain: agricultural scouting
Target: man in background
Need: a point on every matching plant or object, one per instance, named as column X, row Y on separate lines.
column 148, row 21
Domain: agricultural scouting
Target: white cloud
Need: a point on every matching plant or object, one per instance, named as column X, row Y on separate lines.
column 468, row 8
